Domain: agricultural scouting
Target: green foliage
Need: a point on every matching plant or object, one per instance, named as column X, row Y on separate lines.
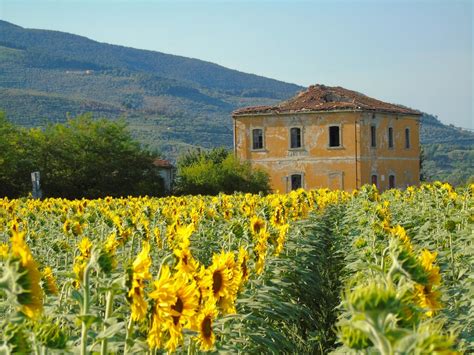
column 82, row 158
column 172, row 103
column 448, row 152
column 169, row 101
column 15, row 162
column 216, row 171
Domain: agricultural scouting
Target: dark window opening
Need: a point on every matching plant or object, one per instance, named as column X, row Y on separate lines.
column 373, row 139
column 390, row 137
column 334, row 136
column 391, row 181
column 296, row 181
column 407, row 138
column 295, row 137
column 257, row 138
column 374, row 180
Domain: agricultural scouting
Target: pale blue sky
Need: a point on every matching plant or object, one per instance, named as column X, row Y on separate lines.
column 416, row 53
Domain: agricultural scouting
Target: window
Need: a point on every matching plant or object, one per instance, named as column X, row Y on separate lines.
column 295, row 137
column 257, row 138
column 296, row 181
column 373, row 138
column 374, row 180
column 390, row 137
column 391, row 181
column 334, row 136
column 407, row 138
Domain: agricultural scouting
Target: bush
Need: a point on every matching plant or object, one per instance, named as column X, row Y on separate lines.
column 209, row 173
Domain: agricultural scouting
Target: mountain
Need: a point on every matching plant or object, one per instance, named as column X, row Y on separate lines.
column 171, row 102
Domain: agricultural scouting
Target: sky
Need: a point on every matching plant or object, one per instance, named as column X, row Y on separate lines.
column 418, row 53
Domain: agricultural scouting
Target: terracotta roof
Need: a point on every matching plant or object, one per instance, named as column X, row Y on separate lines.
column 327, row 98
column 162, row 163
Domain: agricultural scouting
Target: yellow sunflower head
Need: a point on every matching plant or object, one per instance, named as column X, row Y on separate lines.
column 186, row 262
column 85, row 247
column 49, row 282
column 182, row 310
column 242, row 263
column 427, row 260
column 31, row 299
column 3, row 251
column 217, row 279
column 427, row 299
column 257, row 226
column 206, row 337
column 187, row 300
column 139, row 273
column 164, row 297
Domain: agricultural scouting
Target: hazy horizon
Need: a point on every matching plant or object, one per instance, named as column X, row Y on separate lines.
column 418, row 54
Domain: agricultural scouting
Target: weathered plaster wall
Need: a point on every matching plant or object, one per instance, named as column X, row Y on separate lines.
column 382, row 160
column 346, row 167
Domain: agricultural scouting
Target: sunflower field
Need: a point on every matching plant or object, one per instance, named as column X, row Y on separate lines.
column 306, row 272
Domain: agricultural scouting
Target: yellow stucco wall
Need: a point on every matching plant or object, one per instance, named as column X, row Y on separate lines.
column 346, row 167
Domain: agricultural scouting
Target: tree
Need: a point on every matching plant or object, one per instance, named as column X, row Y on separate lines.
column 16, row 162
column 94, row 158
column 215, row 171
column 82, row 158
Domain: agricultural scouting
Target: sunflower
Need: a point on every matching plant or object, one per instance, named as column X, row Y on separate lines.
column 427, row 299
column 243, row 269
column 257, row 226
column 261, row 251
column 182, row 311
column 427, row 260
column 186, row 262
column 399, row 232
column 183, row 233
column 220, row 281
column 139, row 274
column 49, row 282
column 164, row 297
column 85, row 247
column 206, row 337
column 282, row 231
column 217, row 278
column 3, row 251
column 31, row 299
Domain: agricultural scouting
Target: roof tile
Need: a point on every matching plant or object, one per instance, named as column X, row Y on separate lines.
column 327, row 98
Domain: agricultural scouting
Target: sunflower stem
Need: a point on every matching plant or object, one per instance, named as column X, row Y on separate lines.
column 85, row 310
column 191, row 347
column 108, row 311
column 127, row 336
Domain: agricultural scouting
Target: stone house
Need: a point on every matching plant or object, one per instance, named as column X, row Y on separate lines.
column 331, row 137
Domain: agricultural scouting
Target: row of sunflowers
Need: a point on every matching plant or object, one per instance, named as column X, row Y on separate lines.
column 407, row 270
column 136, row 274
column 306, row 271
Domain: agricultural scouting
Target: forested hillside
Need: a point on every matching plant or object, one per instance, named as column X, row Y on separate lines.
column 171, row 103
column 448, row 151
